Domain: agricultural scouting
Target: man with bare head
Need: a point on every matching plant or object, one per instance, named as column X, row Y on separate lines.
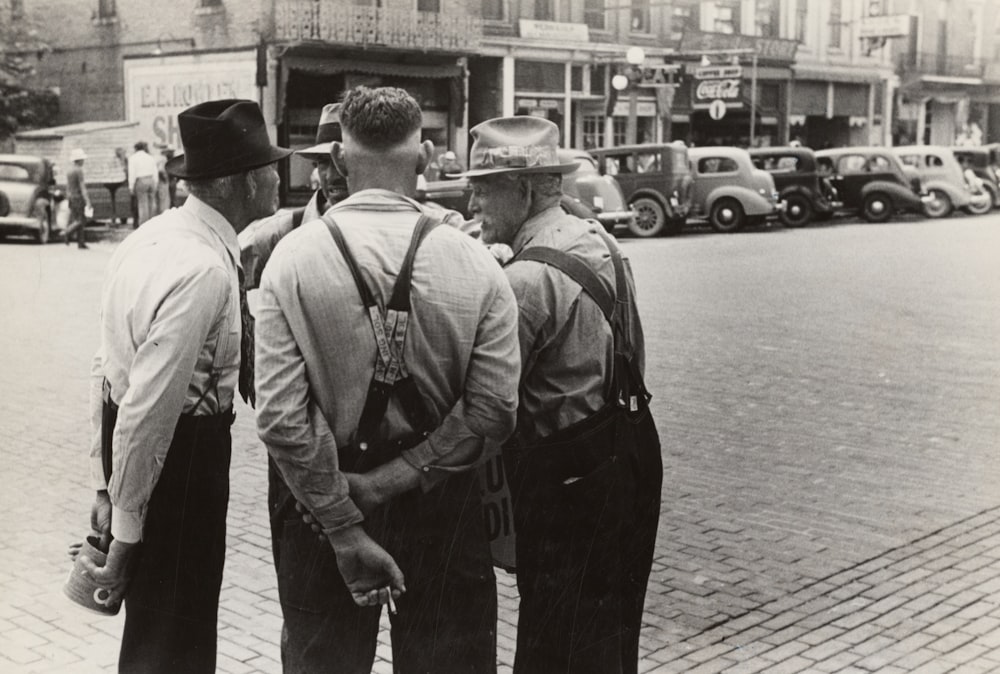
column 386, row 354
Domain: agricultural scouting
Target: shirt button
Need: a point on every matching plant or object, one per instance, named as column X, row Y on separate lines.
column 426, row 469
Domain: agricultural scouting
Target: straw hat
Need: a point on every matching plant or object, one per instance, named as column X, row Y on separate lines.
column 522, row 144
column 77, row 154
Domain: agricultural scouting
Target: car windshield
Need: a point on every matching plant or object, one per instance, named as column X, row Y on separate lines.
column 15, row 173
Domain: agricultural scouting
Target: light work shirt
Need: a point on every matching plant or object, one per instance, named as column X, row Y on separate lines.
column 315, row 349
column 258, row 240
column 567, row 348
column 170, row 332
column 141, row 165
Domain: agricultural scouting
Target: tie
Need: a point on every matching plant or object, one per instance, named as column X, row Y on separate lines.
column 246, row 347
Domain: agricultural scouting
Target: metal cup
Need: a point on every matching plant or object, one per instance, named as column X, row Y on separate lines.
column 82, row 589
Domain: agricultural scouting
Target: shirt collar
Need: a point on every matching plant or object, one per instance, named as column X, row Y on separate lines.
column 532, row 226
column 377, row 196
column 217, row 224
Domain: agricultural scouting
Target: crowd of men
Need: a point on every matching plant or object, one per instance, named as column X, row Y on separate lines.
column 387, row 350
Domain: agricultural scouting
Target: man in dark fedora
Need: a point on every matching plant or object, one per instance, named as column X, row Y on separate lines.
column 164, row 382
column 583, row 465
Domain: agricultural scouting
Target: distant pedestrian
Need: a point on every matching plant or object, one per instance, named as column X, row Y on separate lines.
column 163, row 179
column 78, row 198
column 170, row 360
column 143, row 175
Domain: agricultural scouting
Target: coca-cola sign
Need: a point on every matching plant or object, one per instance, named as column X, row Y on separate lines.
column 729, row 90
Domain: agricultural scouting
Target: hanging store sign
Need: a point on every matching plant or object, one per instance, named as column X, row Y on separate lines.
column 896, row 25
column 707, row 72
column 729, row 90
column 767, row 48
column 642, row 109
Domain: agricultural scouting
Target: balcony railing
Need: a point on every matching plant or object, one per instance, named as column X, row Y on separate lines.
column 333, row 21
column 932, row 63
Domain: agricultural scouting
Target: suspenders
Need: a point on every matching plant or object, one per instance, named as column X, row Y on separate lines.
column 627, row 382
column 391, row 375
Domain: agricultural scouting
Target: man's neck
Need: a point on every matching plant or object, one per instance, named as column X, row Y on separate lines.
column 232, row 210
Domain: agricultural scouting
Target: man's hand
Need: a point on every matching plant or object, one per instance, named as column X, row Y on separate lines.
column 369, row 572
column 100, row 519
column 116, row 573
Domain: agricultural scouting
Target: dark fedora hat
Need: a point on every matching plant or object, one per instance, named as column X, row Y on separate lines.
column 521, row 144
column 222, row 138
column 328, row 131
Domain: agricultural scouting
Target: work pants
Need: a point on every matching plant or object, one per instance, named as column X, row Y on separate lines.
column 145, row 196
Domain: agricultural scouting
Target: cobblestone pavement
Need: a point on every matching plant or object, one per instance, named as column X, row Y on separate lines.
column 827, row 398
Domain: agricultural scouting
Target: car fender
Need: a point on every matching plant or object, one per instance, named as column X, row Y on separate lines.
column 960, row 198
column 647, row 193
column 902, row 196
column 752, row 202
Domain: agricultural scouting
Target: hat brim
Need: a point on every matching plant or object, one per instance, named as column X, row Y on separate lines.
column 177, row 166
column 553, row 168
column 321, row 150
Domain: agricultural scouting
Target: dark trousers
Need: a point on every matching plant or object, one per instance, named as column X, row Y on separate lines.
column 171, row 606
column 586, row 509
column 77, row 221
column 445, row 622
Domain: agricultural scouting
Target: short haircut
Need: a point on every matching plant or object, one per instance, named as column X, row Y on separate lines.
column 380, row 118
column 141, row 145
column 224, row 188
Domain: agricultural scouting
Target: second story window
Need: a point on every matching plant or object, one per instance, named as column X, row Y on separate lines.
column 685, row 16
column 593, row 14
column 836, row 24
column 429, row 6
column 16, row 10
column 639, row 22
column 210, row 3
column 544, row 11
column 801, row 19
column 106, row 9
column 766, row 18
column 727, row 17
column 493, row 10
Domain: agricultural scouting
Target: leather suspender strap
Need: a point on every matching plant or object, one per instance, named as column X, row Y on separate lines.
column 391, row 375
column 577, row 270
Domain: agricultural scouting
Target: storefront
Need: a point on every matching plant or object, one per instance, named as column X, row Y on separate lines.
column 833, row 109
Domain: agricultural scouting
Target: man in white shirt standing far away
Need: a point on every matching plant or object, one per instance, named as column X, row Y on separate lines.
column 163, row 387
column 143, row 175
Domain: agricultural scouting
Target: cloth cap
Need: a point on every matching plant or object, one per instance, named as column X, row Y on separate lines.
column 521, row 144
column 223, row 138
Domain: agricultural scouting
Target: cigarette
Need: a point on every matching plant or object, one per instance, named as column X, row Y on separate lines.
column 392, row 604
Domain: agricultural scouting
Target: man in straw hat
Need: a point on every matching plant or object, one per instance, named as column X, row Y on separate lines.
column 78, row 198
column 583, row 465
column 165, row 374
column 386, row 354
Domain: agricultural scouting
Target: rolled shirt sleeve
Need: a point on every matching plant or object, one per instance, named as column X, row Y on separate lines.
column 96, row 420
column 160, row 375
column 291, row 425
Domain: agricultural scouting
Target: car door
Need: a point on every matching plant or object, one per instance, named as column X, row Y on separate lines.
column 710, row 172
column 850, row 177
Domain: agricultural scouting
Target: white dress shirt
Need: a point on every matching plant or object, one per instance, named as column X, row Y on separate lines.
column 141, row 164
column 315, row 351
column 170, row 332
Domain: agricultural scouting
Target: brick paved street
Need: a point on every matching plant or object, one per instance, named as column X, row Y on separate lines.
column 828, row 403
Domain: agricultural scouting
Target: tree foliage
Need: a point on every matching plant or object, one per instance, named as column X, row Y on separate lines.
column 20, row 49
column 26, row 108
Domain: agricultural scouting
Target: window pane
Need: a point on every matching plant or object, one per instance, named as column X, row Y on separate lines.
column 801, row 14
column 640, row 16
column 543, row 10
column 767, row 18
column 727, row 17
column 593, row 14
column 493, row 9
column 835, row 23
column 428, row 5
column 684, row 16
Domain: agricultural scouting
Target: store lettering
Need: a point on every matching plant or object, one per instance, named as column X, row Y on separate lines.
column 166, row 131
column 709, row 90
column 186, row 94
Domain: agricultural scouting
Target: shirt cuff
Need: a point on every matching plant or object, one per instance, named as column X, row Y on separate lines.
column 126, row 526
column 97, row 474
column 338, row 516
column 422, row 458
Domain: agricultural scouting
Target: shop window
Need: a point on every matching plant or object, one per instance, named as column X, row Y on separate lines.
column 539, row 76
column 684, row 16
column 593, row 132
column 598, row 80
column 766, row 18
column 801, row 20
column 544, row 10
column 494, row 10
column 717, row 165
column 576, row 78
column 727, row 17
column 429, row 6
column 593, row 14
column 106, row 9
column 836, row 24
column 639, row 22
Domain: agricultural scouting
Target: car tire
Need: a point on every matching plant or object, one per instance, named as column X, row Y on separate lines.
column 994, row 195
column 940, row 207
column 798, row 211
column 877, row 207
column 726, row 215
column 40, row 212
column 4, row 205
column 983, row 206
column 650, row 218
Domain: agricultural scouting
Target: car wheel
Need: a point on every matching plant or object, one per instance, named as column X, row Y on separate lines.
column 650, row 218
column 877, row 207
column 726, row 215
column 994, row 195
column 798, row 211
column 40, row 213
column 939, row 207
column 981, row 204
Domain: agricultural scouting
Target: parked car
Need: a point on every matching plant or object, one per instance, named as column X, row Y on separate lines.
column 872, row 181
column 586, row 193
column 984, row 162
column 728, row 190
column 656, row 181
column 943, row 178
column 807, row 194
column 28, row 198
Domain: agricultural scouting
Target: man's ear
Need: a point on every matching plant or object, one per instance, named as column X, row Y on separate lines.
column 337, row 157
column 425, row 155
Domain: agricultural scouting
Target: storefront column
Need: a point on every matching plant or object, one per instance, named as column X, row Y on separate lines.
column 872, row 139
column 508, row 86
column 921, row 120
column 567, row 136
column 888, row 111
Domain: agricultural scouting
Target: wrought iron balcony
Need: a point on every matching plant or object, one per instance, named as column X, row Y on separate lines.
column 931, row 63
column 336, row 22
